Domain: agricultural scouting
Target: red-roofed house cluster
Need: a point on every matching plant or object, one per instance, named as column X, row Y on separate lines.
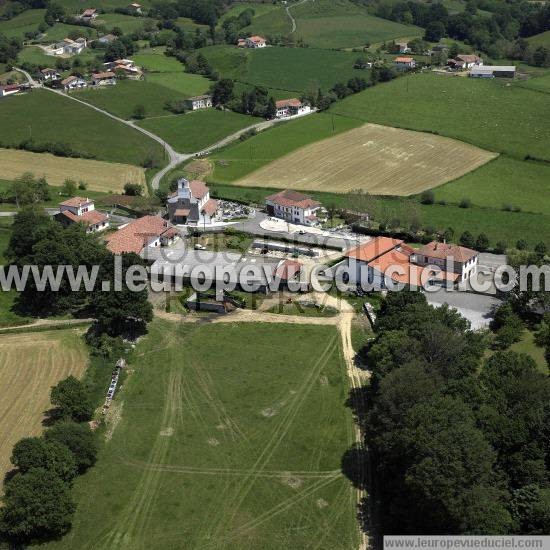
column 383, row 261
column 293, row 207
column 82, row 210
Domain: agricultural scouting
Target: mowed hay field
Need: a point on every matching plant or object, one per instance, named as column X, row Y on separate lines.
column 239, row 449
column 30, row 364
column 377, row 159
column 100, row 176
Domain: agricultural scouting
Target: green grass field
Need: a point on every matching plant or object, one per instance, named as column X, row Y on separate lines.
column 504, row 181
column 489, row 114
column 39, row 114
column 527, row 345
column 240, row 159
column 127, row 23
column 123, row 98
column 194, row 131
column 184, row 84
column 342, row 24
column 154, row 60
column 22, row 23
column 542, row 39
column 239, row 449
column 540, row 83
column 294, row 69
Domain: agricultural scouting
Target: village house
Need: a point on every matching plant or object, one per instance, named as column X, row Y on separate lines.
column 191, row 203
column 252, row 42
column 383, row 262
column 404, row 63
column 465, row 61
column 136, row 8
column 107, row 39
column 293, row 207
column 125, row 65
column 106, row 78
column 69, row 47
column 49, row 75
column 73, row 82
column 10, row 89
column 142, row 234
column 81, row 210
column 88, row 15
column 199, row 102
column 291, row 107
column 400, row 47
column 493, row 71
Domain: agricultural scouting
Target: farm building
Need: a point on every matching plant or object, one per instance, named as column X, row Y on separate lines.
column 291, row 107
column 292, row 206
column 10, row 89
column 493, row 71
column 400, row 47
column 107, row 39
column 382, row 262
column 465, row 61
column 82, row 210
column 73, row 83
column 49, row 74
column 69, row 47
column 135, row 7
column 191, row 203
column 252, row 42
column 141, row 234
column 88, row 15
column 199, row 102
column 404, row 63
column 106, row 78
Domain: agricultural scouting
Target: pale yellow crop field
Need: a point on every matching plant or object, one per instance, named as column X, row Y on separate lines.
column 100, row 176
column 378, row 159
column 30, row 363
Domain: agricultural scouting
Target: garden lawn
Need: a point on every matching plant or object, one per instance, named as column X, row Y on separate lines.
column 343, row 24
column 240, row 159
column 489, row 114
column 503, row 182
column 224, row 450
column 24, row 22
column 84, row 129
column 126, row 95
column 196, row 130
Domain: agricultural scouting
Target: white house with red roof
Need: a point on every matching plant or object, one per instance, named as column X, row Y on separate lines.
column 254, row 42
column 293, row 207
column 291, row 107
column 141, row 234
column 88, row 14
column 191, row 203
column 404, row 62
column 10, row 89
column 383, row 261
column 82, row 210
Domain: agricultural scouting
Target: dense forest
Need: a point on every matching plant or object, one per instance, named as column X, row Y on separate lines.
column 458, row 435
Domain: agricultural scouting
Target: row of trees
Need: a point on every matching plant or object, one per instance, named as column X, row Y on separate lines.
column 457, row 438
column 37, row 503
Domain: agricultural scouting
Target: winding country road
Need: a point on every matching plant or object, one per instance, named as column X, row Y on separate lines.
column 292, row 20
column 174, row 157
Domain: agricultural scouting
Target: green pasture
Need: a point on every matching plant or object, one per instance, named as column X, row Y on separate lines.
column 22, row 23
column 183, row 84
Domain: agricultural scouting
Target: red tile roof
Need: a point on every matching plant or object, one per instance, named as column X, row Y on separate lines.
column 210, row 207
column 198, row 188
column 288, row 269
column 292, row 198
column 180, row 212
column 403, row 59
column 373, row 249
column 442, row 251
column 467, row 58
column 88, row 218
column 281, row 104
column 101, row 76
column 76, row 202
column 135, row 236
column 257, row 39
